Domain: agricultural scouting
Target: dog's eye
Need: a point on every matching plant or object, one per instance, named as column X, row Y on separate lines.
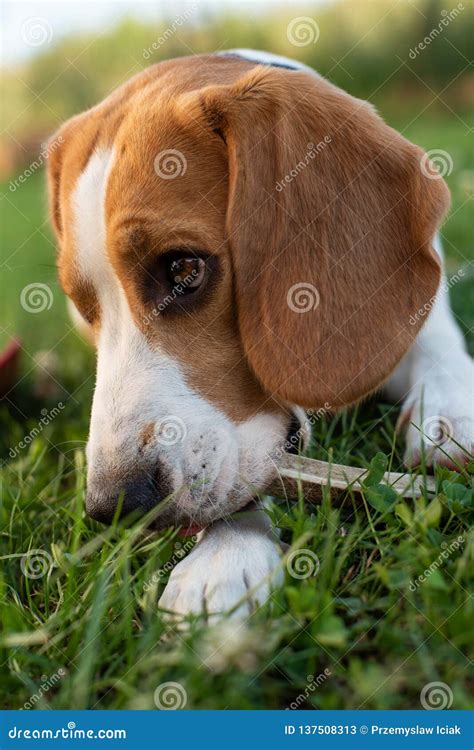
column 186, row 273
column 179, row 279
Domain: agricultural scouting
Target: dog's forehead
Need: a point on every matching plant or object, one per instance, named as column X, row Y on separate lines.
column 166, row 162
column 136, row 193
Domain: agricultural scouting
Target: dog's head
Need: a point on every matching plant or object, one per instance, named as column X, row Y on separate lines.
column 242, row 242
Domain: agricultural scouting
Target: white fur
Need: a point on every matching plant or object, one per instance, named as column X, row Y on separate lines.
column 435, row 382
column 233, row 567
column 268, row 58
column 89, row 227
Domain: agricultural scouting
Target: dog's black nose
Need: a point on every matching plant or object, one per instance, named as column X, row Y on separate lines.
column 135, row 497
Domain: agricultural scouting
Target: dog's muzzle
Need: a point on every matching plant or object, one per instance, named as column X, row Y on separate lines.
column 132, row 497
column 144, row 487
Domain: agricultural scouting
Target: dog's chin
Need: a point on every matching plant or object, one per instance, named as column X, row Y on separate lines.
column 190, row 518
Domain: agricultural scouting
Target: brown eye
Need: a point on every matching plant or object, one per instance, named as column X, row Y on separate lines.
column 186, row 273
column 179, row 279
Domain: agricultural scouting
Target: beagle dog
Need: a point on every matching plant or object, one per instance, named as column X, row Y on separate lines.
column 245, row 241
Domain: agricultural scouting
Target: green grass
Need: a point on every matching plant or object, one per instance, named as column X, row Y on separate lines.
column 361, row 618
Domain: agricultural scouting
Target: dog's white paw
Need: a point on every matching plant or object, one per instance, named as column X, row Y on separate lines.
column 231, row 568
column 439, row 417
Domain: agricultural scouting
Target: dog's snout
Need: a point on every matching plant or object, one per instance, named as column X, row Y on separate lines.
column 133, row 497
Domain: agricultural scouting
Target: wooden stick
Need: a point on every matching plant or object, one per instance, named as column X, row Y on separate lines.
column 308, row 476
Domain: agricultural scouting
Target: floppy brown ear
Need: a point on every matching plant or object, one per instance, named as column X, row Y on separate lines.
column 53, row 174
column 330, row 221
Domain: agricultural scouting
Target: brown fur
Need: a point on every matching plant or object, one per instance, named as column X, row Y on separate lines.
column 356, row 223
